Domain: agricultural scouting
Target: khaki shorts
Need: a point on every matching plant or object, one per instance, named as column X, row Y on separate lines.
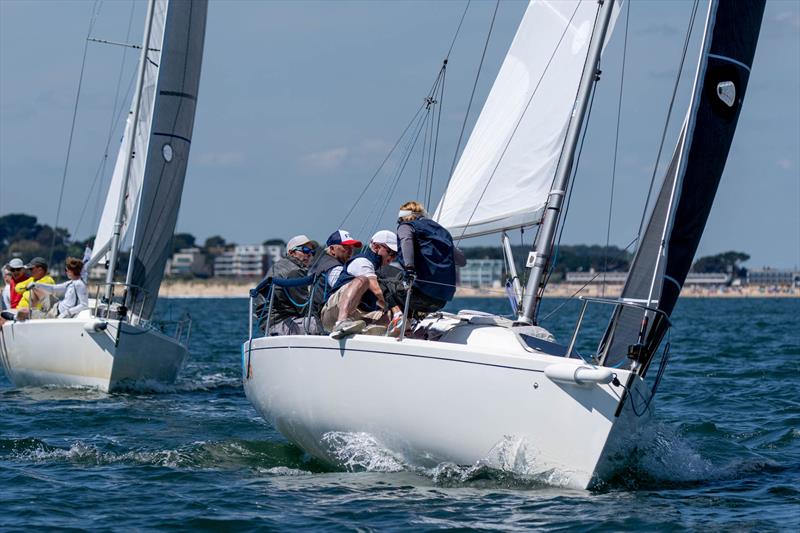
column 330, row 312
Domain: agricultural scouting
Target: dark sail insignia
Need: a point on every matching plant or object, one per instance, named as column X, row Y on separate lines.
column 732, row 34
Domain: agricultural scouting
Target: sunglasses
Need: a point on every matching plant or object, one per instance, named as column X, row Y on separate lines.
column 305, row 249
column 15, row 269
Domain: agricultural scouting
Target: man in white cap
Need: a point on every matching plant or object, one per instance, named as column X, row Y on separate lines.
column 289, row 303
column 357, row 297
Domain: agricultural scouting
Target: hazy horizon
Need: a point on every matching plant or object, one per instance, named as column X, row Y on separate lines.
column 300, row 101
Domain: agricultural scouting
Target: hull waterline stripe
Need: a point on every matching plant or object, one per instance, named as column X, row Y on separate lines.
column 397, row 353
column 731, row 60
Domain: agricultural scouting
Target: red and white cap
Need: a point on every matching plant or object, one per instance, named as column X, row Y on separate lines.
column 342, row 237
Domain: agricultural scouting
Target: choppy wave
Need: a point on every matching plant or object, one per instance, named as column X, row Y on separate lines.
column 200, row 383
column 271, row 457
column 664, row 457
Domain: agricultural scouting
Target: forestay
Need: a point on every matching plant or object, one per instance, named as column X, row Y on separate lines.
column 669, row 241
column 504, row 175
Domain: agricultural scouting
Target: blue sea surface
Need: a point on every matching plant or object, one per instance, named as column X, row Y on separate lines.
column 723, row 451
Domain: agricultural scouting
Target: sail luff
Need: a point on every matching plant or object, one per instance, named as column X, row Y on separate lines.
column 686, row 139
column 668, row 253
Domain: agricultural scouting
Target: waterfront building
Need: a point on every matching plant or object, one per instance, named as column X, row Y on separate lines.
column 770, row 277
column 187, row 262
column 618, row 278
column 248, row 260
column 482, row 273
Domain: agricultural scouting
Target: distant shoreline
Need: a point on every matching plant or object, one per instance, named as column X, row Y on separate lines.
column 241, row 288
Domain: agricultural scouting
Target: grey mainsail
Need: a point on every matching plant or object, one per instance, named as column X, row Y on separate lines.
column 170, row 136
column 669, row 241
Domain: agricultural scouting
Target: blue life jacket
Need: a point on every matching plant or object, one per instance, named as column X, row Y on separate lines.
column 434, row 259
column 368, row 299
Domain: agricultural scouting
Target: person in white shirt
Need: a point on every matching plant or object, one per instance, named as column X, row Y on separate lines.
column 73, row 293
column 357, row 297
column 5, row 301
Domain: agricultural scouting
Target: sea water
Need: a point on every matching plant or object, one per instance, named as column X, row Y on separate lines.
column 722, row 452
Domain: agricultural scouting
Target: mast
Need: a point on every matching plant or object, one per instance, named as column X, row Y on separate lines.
column 115, row 239
column 547, row 231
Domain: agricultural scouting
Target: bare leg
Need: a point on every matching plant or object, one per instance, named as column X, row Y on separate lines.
column 352, row 295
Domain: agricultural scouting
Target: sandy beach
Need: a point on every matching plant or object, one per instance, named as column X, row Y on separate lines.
column 239, row 289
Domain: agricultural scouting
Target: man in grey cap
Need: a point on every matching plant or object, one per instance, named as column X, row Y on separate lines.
column 289, row 303
column 38, row 270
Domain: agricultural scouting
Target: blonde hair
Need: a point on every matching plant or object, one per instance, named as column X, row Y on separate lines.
column 417, row 209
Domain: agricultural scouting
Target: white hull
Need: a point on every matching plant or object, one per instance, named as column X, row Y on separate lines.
column 432, row 402
column 68, row 352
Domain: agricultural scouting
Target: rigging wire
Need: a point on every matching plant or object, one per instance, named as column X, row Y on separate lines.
column 432, row 170
column 116, row 114
column 380, row 167
column 669, row 112
column 92, row 20
column 404, row 159
column 458, row 29
column 469, row 105
column 375, row 211
column 616, row 147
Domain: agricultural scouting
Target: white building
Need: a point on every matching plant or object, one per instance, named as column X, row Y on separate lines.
column 592, row 276
column 187, row 262
column 246, row 260
column 482, row 273
column 768, row 277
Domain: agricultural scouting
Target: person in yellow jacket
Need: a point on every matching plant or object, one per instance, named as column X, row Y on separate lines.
column 38, row 269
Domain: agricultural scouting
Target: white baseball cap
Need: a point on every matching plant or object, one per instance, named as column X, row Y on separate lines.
column 386, row 237
column 297, row 240
column 16, row 263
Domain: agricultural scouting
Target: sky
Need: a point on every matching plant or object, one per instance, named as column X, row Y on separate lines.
column 299, row 103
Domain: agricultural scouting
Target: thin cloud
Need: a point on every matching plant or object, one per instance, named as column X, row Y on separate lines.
column 789, row 18
column 222, row 159
column 330, row 159
column 785, row 164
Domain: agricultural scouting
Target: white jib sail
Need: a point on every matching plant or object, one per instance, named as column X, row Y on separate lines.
column 505, row 173
column 105, row 228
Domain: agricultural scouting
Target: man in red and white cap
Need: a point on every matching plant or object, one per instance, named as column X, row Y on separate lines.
column 339, row 248
column 357, row 296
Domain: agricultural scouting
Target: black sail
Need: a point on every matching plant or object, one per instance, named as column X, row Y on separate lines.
column 680, row 217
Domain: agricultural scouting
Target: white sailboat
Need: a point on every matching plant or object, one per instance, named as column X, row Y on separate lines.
column 501, row 392
column 114, row 343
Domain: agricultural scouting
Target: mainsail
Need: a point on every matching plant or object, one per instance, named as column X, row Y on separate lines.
column 504, row 175
column 159, row 151
column 669, row 241
column 169, row 141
